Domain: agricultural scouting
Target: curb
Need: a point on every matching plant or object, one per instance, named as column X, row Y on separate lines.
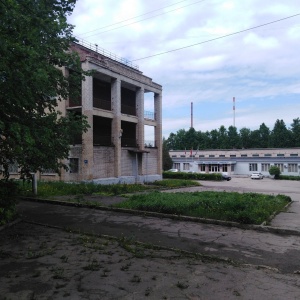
column 7, row 225
column 261, row 228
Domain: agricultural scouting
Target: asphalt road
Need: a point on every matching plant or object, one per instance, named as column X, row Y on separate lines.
column 279, row 251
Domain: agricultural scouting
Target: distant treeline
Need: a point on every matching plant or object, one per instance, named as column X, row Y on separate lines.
column 278, row 137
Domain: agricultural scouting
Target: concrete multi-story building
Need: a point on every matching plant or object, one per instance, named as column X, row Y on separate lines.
column 238, row 161
column 114, row 149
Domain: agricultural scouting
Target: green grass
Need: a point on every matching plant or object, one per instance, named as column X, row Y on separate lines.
column 247, row 208
column 172, row 183
column 59, row 188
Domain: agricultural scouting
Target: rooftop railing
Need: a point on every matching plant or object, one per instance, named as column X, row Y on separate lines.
column 96, row 48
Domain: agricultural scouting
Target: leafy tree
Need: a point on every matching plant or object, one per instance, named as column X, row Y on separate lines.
column 214, row 138
column 191, row 139
column 167, row 160
column 255, row 139
column 34, row 46
column 295, row 129
column 280, row 136
column 274, row 171
column 233, row 137
column 245, row 136
column 223, row 138
column 264, row 135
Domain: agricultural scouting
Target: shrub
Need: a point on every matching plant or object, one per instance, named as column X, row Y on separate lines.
column 289, row 177
column 274, row 171
column 8, row 197
column 193, row 176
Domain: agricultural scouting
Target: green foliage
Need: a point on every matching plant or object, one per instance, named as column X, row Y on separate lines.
column 8, row 196
column 279, row 137
column 34, row 42
column 167, row 161
column 274, row 171
column 193, row 176
column 171, row 183
column 288, row 177
column 59, row 188
column 248, row 208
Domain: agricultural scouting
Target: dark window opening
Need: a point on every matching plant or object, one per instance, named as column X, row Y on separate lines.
column 74, row 165
column 128, row 102
column 101, row 94
column 75, row 138
column 128, row 138
column 102, row 131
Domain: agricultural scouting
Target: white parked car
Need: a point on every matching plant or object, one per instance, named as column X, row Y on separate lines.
column 257, row 175
column 173, row 170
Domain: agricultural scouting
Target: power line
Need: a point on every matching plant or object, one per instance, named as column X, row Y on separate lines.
column 145, row 19
column 218, row 38
column 147, row 13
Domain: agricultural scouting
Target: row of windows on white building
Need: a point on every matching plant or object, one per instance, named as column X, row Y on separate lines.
column 253, row 167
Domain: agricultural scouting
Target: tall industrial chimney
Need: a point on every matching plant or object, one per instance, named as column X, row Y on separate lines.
column 233, row 111
column 192, row 125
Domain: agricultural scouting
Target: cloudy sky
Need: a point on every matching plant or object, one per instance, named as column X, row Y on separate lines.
column 259, row 67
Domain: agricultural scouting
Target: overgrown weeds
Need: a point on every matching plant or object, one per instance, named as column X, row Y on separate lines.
column 58, row 188
column 247, row 208
column 8, row 195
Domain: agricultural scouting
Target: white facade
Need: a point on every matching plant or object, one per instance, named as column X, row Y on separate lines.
column 238, row 161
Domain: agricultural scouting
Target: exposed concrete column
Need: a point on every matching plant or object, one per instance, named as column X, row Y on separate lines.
column 140, row 130
column 206, row 169
column 116, row 124
column 87, row 162
column 158, row 129
column 140, row 114
column 229, row 169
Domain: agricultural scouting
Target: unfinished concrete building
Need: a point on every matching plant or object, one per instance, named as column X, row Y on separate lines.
column 114, row 149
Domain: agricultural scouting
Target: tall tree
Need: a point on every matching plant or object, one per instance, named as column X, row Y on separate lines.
column 295, row 129
column 264, row 133
column 34, row 45
column 167, row 160
column 233, row 138
column 223, row 138
column 280, row 136
column 245, row 136
column 214, row 137
column 255, row 139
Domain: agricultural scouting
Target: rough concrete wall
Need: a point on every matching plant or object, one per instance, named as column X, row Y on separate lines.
column 127, row 163
column 150, row 162
column 103, row 162
column 75, row 152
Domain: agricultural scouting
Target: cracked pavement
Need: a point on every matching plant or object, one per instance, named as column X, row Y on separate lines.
column 254, row 264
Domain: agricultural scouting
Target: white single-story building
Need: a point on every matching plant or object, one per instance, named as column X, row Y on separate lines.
column 237, row 161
